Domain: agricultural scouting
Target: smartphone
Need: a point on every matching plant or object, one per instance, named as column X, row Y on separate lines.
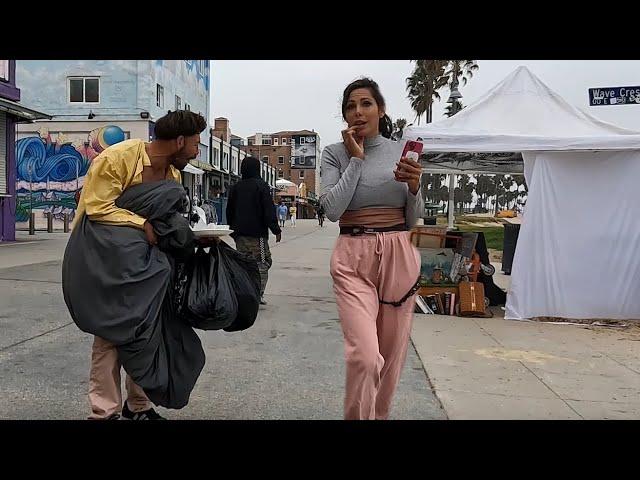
column 412, row 150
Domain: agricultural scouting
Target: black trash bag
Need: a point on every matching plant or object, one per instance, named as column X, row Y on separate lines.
column 245, row 278
column 208, row 300
column 118, row 287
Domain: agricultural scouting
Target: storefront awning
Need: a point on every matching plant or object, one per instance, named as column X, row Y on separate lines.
column 24, row 114
column 193, row 170
column 201, row 165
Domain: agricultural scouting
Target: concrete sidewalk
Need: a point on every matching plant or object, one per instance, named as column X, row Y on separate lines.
column 503, row 369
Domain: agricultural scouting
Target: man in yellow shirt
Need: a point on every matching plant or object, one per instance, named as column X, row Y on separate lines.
column 128, row 163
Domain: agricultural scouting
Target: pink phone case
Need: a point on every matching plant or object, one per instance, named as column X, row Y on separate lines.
column 412, row 146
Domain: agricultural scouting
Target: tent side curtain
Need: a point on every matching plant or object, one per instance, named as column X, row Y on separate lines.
column 577, row 248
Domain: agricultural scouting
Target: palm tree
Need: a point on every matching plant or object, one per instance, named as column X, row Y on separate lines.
column 506, row 184
column 464, row 192
column 520, row 192
column 427, row 79
column 451, row 109
column 398, row 127
column 460, row 69
column 483, row 185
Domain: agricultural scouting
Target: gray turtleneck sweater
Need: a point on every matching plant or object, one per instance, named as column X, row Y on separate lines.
column 354, row 184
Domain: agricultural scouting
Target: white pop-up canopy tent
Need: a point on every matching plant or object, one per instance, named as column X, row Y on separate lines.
column 282, row 183
column 576, row 255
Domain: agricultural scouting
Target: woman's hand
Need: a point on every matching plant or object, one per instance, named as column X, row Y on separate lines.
column 353, row 143
column 409, row 172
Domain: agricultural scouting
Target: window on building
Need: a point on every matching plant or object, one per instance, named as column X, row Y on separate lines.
column 283, row 141
column 216, row 157
column 250, row 141
column 84, row 89
column 265, row 159
column 159, row 96
column 266, row 141
column 275, row 142
column 4, row 70
column 178, row 103
column 281, row 160
column 225, row 161
column 280, row 174
column 301, row 173
column 301, row 140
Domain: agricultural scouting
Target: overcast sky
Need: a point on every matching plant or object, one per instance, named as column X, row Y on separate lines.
column 269, row 96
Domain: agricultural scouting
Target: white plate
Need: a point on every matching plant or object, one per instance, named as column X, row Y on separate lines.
column 209, row 232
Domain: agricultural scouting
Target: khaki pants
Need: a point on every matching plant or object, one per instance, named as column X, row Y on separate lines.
column 105, row 394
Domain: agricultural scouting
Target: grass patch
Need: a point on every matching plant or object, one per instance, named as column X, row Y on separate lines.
column 494, row 236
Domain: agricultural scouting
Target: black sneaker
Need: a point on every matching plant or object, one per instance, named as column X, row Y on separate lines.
column 150, row 414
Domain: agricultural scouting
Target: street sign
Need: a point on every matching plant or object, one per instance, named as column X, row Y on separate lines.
column 614, row 96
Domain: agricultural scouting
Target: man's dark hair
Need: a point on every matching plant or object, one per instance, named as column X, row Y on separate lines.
column 179, row 122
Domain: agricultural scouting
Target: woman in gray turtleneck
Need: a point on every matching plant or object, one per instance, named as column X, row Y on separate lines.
column 376, row 197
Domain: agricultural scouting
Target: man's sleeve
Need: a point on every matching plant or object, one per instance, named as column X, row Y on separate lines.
column 269, row 211
column 103, row 185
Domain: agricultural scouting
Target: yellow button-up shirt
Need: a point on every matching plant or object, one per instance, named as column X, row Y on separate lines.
column 113, row 171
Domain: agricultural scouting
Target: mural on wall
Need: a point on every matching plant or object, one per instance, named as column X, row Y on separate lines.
column 51, row 169
column 190, row 72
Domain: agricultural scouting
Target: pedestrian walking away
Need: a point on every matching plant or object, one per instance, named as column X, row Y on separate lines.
column 251, row 215
column 376, row 197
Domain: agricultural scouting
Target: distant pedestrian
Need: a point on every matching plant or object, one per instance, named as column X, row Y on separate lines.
column 282, row 213
column 320, row 215
column 293, row 211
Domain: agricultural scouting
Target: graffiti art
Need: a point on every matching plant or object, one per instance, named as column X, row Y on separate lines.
column 50, row 172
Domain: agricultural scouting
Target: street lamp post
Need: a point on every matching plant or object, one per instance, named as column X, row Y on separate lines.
column 454, row 98
column 30, row 191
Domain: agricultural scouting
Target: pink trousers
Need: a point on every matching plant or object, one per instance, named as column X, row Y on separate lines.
column 366, row 269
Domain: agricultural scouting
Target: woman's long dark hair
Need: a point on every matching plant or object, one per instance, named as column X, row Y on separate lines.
column 385, row 125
